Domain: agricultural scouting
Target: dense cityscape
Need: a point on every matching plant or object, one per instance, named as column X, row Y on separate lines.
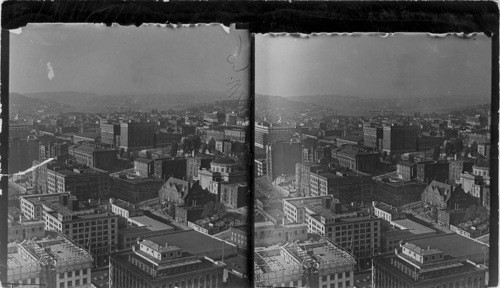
column 128, row 198
column 391, row 199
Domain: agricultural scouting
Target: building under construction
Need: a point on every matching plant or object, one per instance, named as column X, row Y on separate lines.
column 305, row 264
column 49, row 263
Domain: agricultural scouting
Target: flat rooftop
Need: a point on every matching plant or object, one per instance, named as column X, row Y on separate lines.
column 151, row 223
column 456, row 246
column 413, row 226
column 191, row 241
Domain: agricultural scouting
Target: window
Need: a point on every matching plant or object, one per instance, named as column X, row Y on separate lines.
column 77, row 273
column 61, row 285
column 77, row 282
column 70, row 283
column 84, row 271
column 61, row 275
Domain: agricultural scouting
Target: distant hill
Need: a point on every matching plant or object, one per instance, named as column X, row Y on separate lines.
column 21, row 104
column 88, row 102
column 352, row 105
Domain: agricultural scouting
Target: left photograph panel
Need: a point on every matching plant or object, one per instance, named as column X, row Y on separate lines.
column 128, row 156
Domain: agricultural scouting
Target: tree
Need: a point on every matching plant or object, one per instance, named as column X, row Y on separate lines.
column 211, row 145
column 173, row 149
column 122, row 151
column 196, row 142
column 437, row 152
column 208, row 210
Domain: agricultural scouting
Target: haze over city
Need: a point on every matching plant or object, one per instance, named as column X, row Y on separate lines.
column 375, row 66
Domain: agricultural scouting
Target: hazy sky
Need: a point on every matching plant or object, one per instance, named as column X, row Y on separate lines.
column 129, row 59
column 372, row 66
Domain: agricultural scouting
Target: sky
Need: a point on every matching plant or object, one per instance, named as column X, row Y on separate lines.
column 126, row 60
column 372, row 66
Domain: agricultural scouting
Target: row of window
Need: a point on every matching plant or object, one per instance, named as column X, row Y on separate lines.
column 70, row 283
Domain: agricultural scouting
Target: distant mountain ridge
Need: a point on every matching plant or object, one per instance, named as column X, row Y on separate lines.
column 353, row 105
column 93, row 103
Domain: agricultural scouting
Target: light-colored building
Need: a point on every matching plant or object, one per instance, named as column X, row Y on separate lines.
column 414, row 266
column 57, row 263
column 25, row 229
column 94, row 230
column 151, row 263
column 267, row 233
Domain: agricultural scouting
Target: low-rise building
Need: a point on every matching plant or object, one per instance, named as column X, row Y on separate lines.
column 414, row 266
column 267, row 233
column 239, row 236
column 24, row 229
column 135, row 189
column 161, row 264
column 49, row 262
column 234, row 195
column 357, row 158
column 355, row 231
column 90, row 227
column 446, row 196
column 93, row 157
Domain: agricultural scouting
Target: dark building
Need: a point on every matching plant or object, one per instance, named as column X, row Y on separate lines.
column 281, row 158
column 182, row 193
column 94, row 157
column 432, row 170
column 413, row 266
column 165, row 168
column 399, row 139
column 22, row 152
column 234, row 195
column 239, row 236
column 51, row 147
column 446, row 196
column 144, row 167
column 135, row 190
column 82, row 182
column 428, row 142
column 458, row 167
column 398, row 193
column 356, row 158
column 185, row 214
column 407, row 170
column 194, row 164
column 137, row 136
column 164, row 139
column 346, row 187
column 451, row 217
column 186, row 130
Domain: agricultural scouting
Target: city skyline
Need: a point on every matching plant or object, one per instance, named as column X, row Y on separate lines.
column 369, row 65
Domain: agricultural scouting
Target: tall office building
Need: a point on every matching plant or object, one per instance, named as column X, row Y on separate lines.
column 137, row 136
column 266, row 133
column 372, row 136
column 399, row 139
column 110, row 133
column 281, row 158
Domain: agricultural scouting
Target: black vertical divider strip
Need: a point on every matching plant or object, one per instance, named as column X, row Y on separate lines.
column 4, row 148
column 251, row 207
column 493, row 249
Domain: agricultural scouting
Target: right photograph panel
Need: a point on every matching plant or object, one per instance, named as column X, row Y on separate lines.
column 372, row 160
